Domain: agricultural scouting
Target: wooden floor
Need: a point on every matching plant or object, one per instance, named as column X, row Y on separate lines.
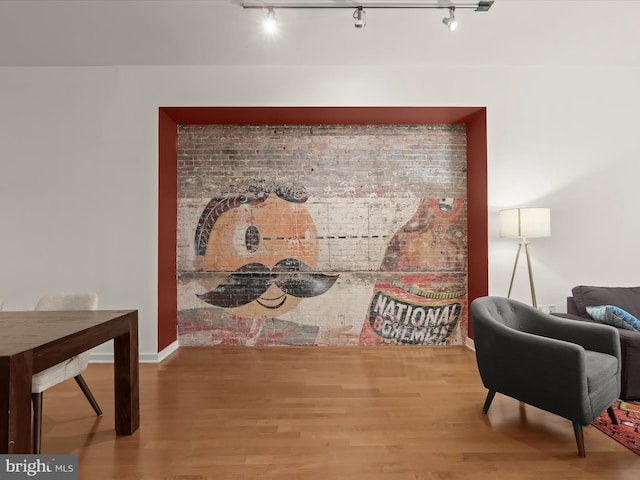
column 393, row 413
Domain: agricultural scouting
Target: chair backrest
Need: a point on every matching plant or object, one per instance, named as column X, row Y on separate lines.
column 507, row 312
column 1, row 303
column 68, row 301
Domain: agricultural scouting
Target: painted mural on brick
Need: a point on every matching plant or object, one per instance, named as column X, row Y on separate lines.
column 322, row 235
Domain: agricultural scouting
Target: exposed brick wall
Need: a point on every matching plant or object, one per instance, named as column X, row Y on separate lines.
column 353, row 187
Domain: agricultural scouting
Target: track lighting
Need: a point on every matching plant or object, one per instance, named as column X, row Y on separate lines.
column 359, row 14
column 359, row 18
column 451, row 21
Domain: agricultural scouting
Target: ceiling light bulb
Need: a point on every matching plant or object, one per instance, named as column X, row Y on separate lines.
column 359, row 18
column 451, row 21
column 270, row 24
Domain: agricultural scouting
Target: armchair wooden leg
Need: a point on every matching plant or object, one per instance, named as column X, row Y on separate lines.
column 87, row 393
column 36, row 400
column 488, row 400
column 612, row 415
column 577, row 428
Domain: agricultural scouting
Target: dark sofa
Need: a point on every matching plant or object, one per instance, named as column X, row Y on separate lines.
column 627, row 298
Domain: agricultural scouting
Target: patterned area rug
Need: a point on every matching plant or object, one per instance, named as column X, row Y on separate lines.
column 628, row 431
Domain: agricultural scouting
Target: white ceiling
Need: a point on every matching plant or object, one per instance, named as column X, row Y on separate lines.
column 221, row 32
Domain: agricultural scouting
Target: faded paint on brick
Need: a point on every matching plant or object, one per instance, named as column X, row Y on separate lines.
column 362, row 185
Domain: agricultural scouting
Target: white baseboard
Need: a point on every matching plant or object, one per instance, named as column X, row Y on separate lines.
column 165, row 352
column 469, row 343
column 143, row 357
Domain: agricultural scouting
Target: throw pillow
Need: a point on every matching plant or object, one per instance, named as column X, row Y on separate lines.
column 614, row 316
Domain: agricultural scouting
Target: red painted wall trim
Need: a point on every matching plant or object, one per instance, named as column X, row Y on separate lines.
column 170, row 117
column 167, row 228
column 477, row 209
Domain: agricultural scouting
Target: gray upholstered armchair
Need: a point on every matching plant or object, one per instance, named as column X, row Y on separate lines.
column 568, row 368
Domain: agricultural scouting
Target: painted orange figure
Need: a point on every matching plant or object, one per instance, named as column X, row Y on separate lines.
column 264, row 245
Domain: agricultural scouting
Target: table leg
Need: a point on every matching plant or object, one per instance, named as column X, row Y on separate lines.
column 127, row 394
column 15, row 403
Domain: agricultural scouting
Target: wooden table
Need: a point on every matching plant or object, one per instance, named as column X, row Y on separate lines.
column 35, row 340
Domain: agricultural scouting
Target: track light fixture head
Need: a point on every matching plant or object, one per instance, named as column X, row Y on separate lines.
column 270, row 24
column 451, row 21
column 359, row 17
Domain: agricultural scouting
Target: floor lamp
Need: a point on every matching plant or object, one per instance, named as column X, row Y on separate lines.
column 522, row 223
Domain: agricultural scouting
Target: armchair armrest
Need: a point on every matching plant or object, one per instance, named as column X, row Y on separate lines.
column 592, row 336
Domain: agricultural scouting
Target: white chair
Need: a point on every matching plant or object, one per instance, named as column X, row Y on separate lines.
column 71, row 368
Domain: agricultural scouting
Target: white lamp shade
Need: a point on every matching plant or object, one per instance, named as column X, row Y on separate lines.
column 525, row 222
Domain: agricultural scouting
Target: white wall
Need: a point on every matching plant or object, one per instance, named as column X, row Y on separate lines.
column 78, row 166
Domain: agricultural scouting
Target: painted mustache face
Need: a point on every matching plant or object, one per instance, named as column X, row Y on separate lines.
column 252, row 280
